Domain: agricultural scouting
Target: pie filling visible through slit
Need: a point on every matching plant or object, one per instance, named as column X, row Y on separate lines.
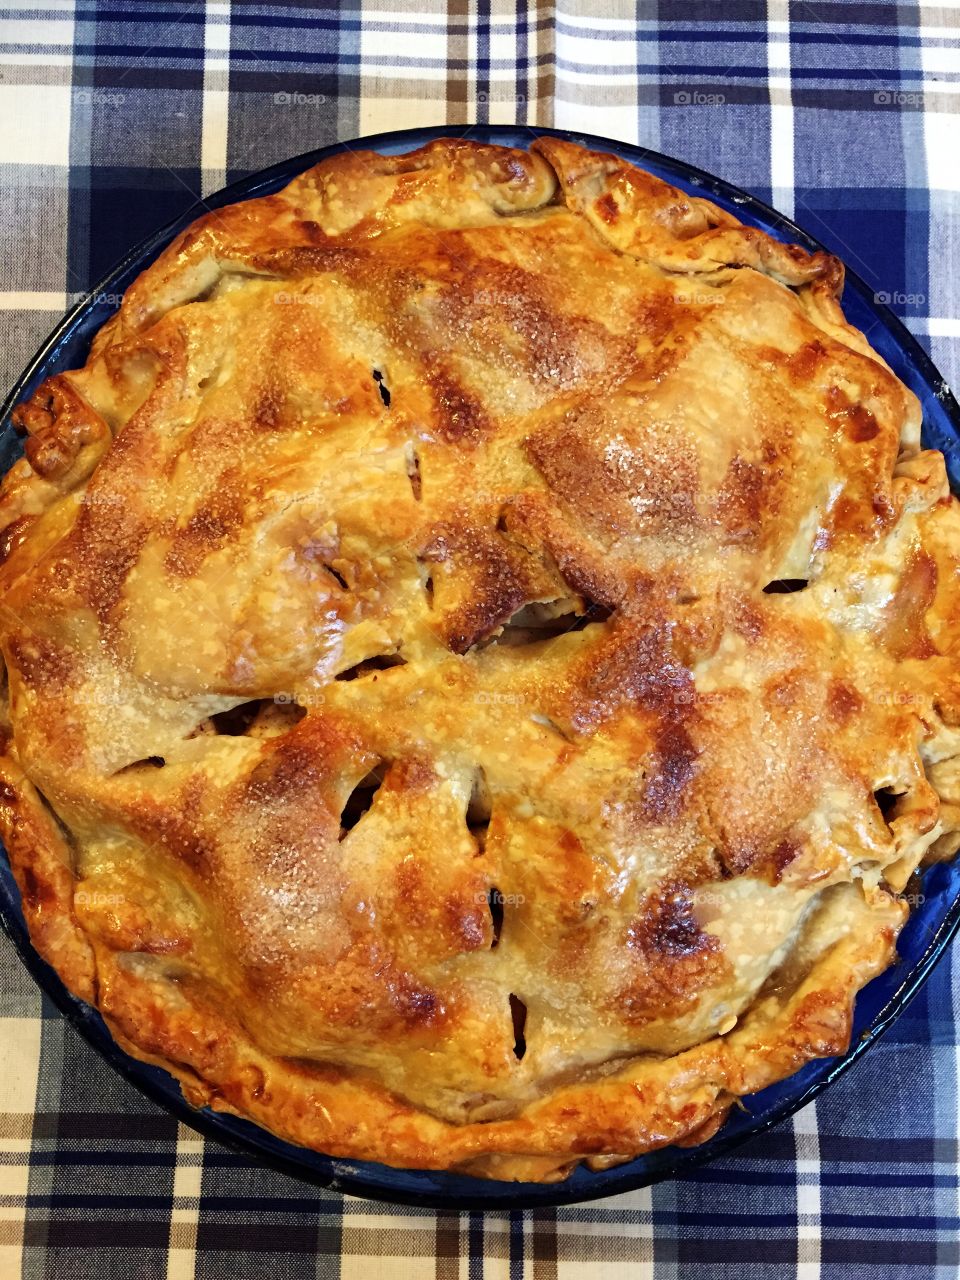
column 481, row 650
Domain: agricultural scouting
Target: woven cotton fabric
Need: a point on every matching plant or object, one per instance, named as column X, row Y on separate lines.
column 114, row 118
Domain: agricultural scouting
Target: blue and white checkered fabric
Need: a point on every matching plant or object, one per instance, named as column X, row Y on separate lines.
column 114, row 116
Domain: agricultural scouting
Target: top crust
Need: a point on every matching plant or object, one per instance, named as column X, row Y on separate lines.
column 481, row 646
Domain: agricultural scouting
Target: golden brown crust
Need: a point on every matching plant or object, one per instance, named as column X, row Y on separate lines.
column 417, row 740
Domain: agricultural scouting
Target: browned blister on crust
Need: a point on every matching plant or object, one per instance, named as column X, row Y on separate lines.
column 481, row 640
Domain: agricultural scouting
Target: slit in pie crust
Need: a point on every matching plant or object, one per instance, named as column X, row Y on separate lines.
column 481, row 661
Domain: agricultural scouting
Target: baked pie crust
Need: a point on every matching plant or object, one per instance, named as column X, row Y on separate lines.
column 481, row 635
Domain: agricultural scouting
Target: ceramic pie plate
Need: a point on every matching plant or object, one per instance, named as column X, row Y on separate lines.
column 924, row 938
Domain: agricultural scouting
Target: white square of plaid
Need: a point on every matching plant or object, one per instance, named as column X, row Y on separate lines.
column 36, row 123
column 19, row 1062
column 942, row 138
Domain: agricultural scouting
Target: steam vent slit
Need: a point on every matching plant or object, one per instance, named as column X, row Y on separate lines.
column 519, row 1012
column 261, row 718
column 382, row 388
column 478, row 809
column 886, row 801
column 360, row 799
column 413, row 472
column 544, row 621
column 425, row 571
column 151, row 762
column 334, row 573
column 495, row 902
column 370, row 666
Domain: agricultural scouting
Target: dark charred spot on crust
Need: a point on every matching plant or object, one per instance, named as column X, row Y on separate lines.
column 37, row 893
column 176, row 833
column 329, row 254
column 493, row 579
column 607, row 208
column 634, row 664
column 615, row 492
column 411, row 774
column 106, row 542
column 855, row 420
column 296, row 764
column 461, row 419
column 904, row 630
column 803, row 364
column 738, row 855
column 675, row 956
column 467, row 925
column 740, row 501
column 417, row 1005
column 667, row 925
column 785, row 586
column 782, row 856
column 843, row 701
column 41, row 662
column 785, row 689
column 747, row 620
column 862, row 514
column 212, row 524
column 268, row 408
column 673, row 768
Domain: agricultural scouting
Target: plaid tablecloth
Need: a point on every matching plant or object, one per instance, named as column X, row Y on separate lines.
column 113, row 117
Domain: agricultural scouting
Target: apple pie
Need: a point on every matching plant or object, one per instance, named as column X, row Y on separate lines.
column 481, row 642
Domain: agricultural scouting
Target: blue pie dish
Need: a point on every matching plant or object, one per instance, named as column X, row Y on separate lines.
column 923, row 941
